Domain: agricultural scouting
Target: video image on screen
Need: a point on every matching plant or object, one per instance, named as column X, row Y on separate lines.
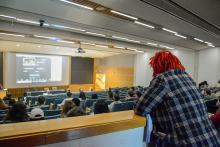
column 38, row 68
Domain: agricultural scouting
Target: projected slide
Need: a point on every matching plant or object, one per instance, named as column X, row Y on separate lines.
column 38, row 68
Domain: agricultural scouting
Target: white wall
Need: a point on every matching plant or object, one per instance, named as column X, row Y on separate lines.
column 143, row 72
column 209, row 65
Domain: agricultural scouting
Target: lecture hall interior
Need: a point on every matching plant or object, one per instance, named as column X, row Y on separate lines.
column 109, row 73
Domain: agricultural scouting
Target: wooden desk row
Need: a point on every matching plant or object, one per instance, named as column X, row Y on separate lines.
column 64, row 129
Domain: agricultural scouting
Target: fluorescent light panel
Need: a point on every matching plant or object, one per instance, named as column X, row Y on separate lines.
column 28, row 21
column 121, row 47
column 167, row 47
column 75, row 4
column 198, row 39
column 65, row 41
column 104, row 46
column 97, row 34
column 168, row 30
column 122, row 38
column 150, row 43
column 211, row 45
column 87, row 43
column 125, row 15
column 7, row 16
column 143, row 24
column 65, row 27
column 48, row 37
column 9, row 34
column 181, row 36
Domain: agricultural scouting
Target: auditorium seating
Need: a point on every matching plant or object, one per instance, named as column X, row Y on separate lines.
column 123, row 106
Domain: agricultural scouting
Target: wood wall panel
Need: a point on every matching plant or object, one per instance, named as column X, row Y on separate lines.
column 116, row 76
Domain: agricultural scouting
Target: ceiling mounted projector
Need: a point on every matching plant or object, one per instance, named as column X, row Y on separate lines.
column 80, row 50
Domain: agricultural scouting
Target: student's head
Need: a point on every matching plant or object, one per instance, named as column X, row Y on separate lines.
column 132, row 88
column 131, row 93
column 163, row 61
column 110, row 89
column 17, row 113
column 116, row 97
column 138, row 93
column 8, row 95
column 11, row 102
column 76, row 101
column 80, row 90
column 67, row 106
column 101, row 107
column 40, row 100
column 94, row 96
column 69, row 94
column 91, row 89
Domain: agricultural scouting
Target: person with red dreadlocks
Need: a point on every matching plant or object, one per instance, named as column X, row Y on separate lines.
column 176, row 106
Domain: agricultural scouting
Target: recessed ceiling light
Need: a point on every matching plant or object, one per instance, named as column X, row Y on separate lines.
column 65, row 41
column 168, row 30
column 9, row 34
column 150, row 43
column 125, row 15
column 198, row 39
column 75, row 4
column 28, row 21
column 17, row 45
column 97, row 34
column 39, row 46
column 87, row 43
column 181, row 36
column 143, row 24
column 207, row 42
column 7, row 16
column 122, row 38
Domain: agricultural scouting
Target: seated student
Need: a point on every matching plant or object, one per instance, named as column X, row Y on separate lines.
column 17, row 113
column 69, row 98
column 94, row 96
column 3, row 106
column 82, row 95
column 138, row 94
column 68, row 105
column 208, row 95
column 101, row 107
column 11, row 102
column 76, row 110
column 68, row 92
column 37, row 114
column 41, row 102
column 131, row 96
column 8, row 97
column 91, row 89
column 110, row 94
column 116, row 101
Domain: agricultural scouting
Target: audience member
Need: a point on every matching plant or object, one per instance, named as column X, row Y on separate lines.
column 138, row 94
column 94, row 96
column 76, row 110
column 110, row 94
column 91, row 89
column 17, row 113
column 8, row 97
column 131, row 95
column 76, row 101
column 68, row 92
column 11, row 102
column 69, row 98
column 3, row 106
column 68, row 105
column 37, row 114
column 116, row 101
column 101, row 107
column 82, row 95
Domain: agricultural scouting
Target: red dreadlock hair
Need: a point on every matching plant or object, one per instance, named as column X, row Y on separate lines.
column 163, row 61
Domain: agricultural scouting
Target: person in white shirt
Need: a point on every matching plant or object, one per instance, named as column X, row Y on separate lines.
column 116, row 101
column 69, row 98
